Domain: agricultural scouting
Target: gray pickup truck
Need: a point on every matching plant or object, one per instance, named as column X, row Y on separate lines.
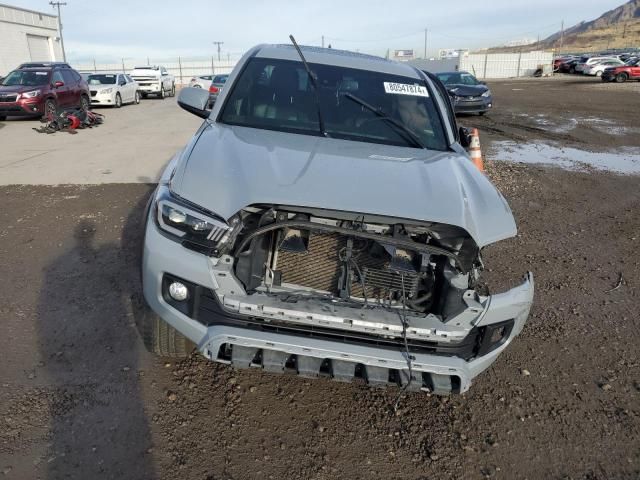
column 326, row 220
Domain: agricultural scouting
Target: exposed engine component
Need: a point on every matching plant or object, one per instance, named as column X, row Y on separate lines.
column 366, row 264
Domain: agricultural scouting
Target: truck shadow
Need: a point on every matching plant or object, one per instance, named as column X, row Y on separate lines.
column 86, row 333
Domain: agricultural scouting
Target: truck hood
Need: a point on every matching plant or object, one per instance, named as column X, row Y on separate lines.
column 227, row 168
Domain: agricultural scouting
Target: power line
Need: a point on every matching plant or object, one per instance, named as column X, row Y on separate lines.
column 54, row 5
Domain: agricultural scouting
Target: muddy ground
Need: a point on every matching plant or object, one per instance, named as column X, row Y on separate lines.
column 80, row 398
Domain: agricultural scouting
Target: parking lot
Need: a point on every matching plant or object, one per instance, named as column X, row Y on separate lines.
column 81, row 398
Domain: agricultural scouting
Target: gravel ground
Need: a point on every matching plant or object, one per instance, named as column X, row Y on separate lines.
column 80, row 398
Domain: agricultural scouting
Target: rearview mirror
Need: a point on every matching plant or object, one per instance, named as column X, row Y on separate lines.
column 465, row 137
column 194, row 100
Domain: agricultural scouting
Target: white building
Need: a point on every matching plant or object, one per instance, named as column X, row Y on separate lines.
column 27, row 36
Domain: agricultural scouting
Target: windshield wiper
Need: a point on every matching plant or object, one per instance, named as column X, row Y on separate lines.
column 380, row 113
column 312, row 79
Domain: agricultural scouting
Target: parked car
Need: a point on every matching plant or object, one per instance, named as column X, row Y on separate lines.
column 113, row 89
column 154, row 80
column 34, row 90
column 586, row 62
column 558, row 61
column 568, row 66
column 467, row 93
column 216, row 87
column 622, row 73
column 201, row 81
column 598, row 68
column 326, row 220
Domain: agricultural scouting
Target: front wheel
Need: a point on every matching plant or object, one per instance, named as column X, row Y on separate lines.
column 136, row 99
column 118, row 103
column 173, row 90
column 481, row 113
column 50, row 109
column 84, row 104
column 622, row 77
column 161, row 95
column 162, row 339
column 3, row 118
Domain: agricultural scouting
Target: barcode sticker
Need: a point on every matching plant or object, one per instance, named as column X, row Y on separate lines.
column 405, row 89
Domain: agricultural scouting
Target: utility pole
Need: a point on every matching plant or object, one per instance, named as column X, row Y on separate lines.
column 54, row 5
column 624, row 30
column 561, row 36
column 425, row 43
column 322, row 41
column 218, row 44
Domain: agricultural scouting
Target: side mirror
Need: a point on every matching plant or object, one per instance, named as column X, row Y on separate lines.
column 123, row 83
column 58, row 84
column 465, row 137
column 194, row 100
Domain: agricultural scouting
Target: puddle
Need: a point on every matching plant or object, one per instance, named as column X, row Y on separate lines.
column 624, row 160
column 565, row 125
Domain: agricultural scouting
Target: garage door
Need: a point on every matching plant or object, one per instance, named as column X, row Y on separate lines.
column 39, row 48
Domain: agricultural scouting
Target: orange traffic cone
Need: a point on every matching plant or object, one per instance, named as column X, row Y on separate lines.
column 474, row 150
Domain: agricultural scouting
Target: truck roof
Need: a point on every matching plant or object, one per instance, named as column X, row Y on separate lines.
column 339, row 58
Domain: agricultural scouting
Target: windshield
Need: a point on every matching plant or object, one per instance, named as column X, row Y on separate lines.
column 633, row 63
column 457, row 78
column 29, row 78
column 277, row 95
column 101, row 79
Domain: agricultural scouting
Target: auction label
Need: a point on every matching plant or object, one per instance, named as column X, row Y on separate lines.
column 405, row 89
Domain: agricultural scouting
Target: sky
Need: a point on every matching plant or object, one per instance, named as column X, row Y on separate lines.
column 114, row 29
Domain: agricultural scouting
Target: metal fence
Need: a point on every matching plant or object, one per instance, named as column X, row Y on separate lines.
column 493, row 65
column 182, row 68
column 507, row 65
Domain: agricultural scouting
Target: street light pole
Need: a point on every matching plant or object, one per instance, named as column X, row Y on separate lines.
column 57, row 4
column 218, row 44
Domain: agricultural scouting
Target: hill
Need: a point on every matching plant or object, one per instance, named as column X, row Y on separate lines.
column 617, row 28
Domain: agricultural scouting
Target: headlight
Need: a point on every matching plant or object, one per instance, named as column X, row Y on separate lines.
column 487, row 93
column 31, row 94
column 195, row 228
column 106, row 90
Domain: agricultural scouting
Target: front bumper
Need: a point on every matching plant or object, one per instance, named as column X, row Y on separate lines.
column 234, row 338
column 149, row 87
column 23, row 108
column 472, row 104
column 103, row 98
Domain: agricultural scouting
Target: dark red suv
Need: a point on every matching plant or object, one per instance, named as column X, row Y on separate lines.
column 37, row 89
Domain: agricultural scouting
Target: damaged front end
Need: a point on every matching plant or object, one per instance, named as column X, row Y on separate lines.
column 397, row 295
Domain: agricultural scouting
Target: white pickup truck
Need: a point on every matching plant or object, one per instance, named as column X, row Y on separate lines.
column 154, row 80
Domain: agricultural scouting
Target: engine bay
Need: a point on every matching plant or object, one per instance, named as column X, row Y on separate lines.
column 354, row 261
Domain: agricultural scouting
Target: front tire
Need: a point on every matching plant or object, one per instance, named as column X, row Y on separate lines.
column 50, row 109
column 173, row 90
column 136, row 99
column 622, row 77
column 3, row 118
column 162, row 339
column 161, row 95
column 118, row 103
column 84, row 104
